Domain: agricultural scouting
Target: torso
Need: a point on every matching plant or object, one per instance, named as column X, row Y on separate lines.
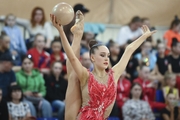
column 97, row 98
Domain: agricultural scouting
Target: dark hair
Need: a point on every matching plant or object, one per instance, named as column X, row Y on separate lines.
column 55, row 40
column 33, row 23
column 14, row 88
column 134, row 84
column 174, row 42
column 175, row 22
column 94, row 45
column 29, row 56
column 170, row 92
column 3, row 34
column 135, row 19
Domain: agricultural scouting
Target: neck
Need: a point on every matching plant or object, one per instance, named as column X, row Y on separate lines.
column 175, row 55
column 15, row 101
column 57, row 77
column 99, row 73
column 56, row 53
column 161, row 55
column 28, row 72
column 135, row 98
column 39, row 50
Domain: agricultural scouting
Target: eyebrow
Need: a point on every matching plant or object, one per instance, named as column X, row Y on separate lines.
column 105, row 53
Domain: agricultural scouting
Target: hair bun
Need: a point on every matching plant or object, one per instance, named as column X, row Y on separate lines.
column 92, row 42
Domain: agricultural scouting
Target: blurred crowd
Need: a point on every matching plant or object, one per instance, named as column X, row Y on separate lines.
column 33, row 78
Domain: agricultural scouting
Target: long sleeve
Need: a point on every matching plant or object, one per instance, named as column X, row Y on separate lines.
column 149, row 115
column 22, row 46
column 48, row 29
column 127, row 111
column 4, row 111
column 42, row 88
column 122, row 37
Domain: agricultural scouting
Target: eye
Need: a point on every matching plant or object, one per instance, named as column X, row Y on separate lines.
column 102, row 55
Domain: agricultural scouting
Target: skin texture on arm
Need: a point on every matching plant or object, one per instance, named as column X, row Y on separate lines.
column 121, row 65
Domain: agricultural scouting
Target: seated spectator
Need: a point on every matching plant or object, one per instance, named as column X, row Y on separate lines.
column 4, row 44
column 3, row 108
column 33, row 87
column 18, row 110
column 135, row 108
column 129, row 32
column 85, row 60
column 171, row 111
column 131, row 68
column 170, row 80
column 174, row 58
column 173, row 32
column 17, row 43
column 7, row 76
column 56, row 89
column 57, row 54
column 146, row 55
column 149, row 87
column 40, row 57
column 115, row 53
column 123, row 90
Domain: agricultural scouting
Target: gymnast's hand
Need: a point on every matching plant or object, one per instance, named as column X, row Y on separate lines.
column 56, row 23
column 146, row 31
column 78, row 27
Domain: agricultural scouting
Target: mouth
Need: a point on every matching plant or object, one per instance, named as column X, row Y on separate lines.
column 106, row 63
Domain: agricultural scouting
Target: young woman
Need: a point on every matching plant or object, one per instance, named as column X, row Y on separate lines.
column 32, row 84
column 136, row 108
column 56, row 87
column 18, row 110
column 171, row 111
column 98, row 87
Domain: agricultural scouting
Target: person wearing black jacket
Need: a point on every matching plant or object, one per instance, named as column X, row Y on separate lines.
column 4, row 115
column 56, row 87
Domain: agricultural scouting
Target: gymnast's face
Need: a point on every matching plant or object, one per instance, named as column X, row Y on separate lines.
column 100, row 58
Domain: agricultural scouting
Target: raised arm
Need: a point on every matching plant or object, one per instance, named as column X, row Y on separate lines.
column 121, row 65
column 77, row 31
column 81, row 72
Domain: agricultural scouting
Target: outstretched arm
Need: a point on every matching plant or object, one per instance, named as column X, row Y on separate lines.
column 77, row 31
column 121, row 65
column 81, row 72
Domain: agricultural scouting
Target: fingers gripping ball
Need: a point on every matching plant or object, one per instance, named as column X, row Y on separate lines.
column 63, row 12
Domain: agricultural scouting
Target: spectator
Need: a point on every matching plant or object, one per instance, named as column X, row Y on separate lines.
column 18, row 110
column 3, row 108
column 7, row 76
column 174, row 58
column 17, row 43
column 41, row 58
column 67, row 28
column 173, row 32
column 170, row 80
column 32, row 84
column 57, row 54
column 56, row 89
column 123, row 90
column 129, row 32
column 147, row 56
column 132, row 68
column 85, row 60
column 135, row 108
column 149, row 87
column 171, row 111
column 4, row 44
column 115, row 53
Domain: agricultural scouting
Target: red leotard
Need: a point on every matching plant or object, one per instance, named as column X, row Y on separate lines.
column 101, row 96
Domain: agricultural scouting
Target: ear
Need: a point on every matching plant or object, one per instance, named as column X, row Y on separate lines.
column 92, row 58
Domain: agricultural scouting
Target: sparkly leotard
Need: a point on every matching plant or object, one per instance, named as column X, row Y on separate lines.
column 101, row 97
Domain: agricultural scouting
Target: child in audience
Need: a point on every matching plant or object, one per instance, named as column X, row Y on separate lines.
column 40, row 57
column 170, row 80
column 17, row 43
column 18, row 110
column 57, row 54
